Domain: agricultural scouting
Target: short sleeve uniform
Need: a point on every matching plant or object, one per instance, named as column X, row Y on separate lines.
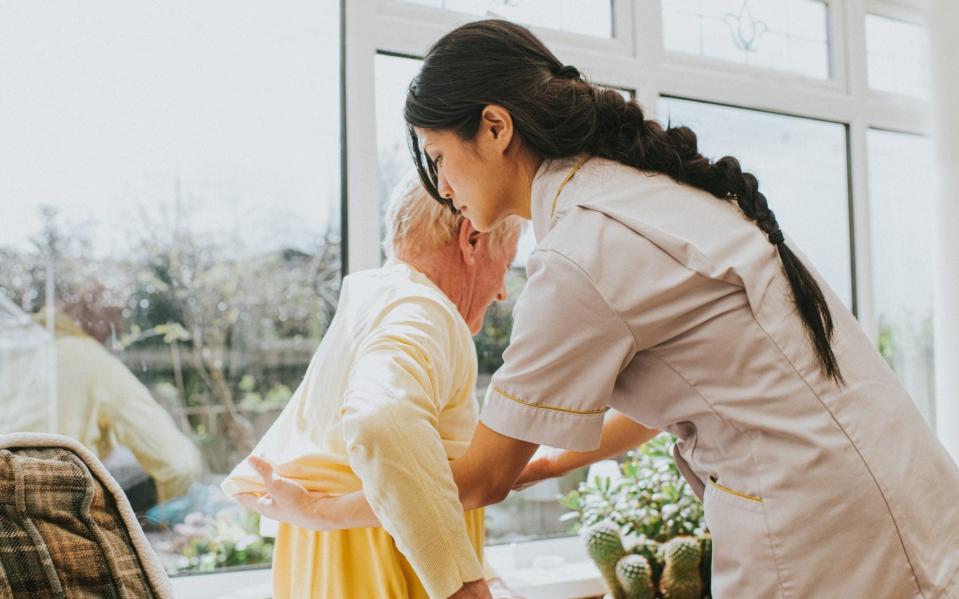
column 669, row 305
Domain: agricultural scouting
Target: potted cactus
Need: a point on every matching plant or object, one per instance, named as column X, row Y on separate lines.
column 644, row 527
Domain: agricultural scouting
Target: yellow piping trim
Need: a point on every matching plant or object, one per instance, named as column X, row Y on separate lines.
column 541, row 406
column 566, row 180
column 726, row 489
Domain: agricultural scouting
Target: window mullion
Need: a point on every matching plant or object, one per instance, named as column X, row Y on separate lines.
column 363, row 213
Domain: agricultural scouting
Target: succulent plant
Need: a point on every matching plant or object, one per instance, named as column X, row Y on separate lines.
column 681, row 578
column 645, row 528
column 635, row 577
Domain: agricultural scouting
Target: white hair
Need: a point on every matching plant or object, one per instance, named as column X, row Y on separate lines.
column 415, row 219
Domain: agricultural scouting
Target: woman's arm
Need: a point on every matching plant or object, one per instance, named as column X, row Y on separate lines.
column 484, row 475
column 492, row 466
column 620, row 434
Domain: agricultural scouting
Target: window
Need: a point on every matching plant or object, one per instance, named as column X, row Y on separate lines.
column 786, row 35
column 903, row 230
column 171, row 180
column 585, row 17
column 801, row 167
column 897, row 58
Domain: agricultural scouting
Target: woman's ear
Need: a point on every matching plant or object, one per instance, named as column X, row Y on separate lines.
column 496, row 125
column 468, row 240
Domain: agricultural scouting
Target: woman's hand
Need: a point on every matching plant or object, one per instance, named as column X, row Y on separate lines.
column 541, row 467
column 285, row 500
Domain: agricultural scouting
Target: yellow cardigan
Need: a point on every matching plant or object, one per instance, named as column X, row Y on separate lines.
column 386, row 402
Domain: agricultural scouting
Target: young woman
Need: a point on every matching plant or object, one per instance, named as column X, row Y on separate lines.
column 662, row 286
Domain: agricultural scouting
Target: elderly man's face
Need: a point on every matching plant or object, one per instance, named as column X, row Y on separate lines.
column 488, row 279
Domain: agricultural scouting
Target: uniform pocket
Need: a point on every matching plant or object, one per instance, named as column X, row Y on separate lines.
column 734, row 493
column 743, row 563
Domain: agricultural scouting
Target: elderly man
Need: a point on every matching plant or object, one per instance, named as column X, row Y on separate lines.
column 387, row 401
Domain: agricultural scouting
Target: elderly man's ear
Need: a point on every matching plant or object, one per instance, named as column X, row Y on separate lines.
column 468, row 241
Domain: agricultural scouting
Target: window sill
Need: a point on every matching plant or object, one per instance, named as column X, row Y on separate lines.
column 550, row 569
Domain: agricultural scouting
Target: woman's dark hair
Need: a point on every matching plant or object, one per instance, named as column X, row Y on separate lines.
column 557, row 114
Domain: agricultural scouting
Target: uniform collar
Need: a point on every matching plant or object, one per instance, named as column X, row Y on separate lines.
column 547, row 182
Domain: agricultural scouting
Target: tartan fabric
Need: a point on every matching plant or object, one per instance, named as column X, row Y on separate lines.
column 61, row 534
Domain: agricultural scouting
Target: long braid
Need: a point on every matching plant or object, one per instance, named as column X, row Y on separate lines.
column 624, row 134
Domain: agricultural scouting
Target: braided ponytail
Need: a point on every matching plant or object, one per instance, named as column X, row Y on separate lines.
column 623, row 134
column 558, row 114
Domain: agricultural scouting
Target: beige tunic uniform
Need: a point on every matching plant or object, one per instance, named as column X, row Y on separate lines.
column 669, row 305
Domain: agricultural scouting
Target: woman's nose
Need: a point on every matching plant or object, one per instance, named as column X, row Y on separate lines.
column 443, row 187
column 501, row 295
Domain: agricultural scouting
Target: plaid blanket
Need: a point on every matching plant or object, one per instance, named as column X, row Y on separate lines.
column 66, row 529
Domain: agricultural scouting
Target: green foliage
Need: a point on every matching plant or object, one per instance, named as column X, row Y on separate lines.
column 251, row 399
column 493, row 339
column 231, row 538
column 650, row 499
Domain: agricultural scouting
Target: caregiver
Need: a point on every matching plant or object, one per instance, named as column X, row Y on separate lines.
column 663, row 287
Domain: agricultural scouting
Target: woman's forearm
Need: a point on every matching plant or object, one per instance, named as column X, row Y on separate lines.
column 486, row 473
column 337, row 513
column 353, row 510
column 620, row 434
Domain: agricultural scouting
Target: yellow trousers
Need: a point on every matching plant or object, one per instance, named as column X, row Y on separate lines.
column 360, row 563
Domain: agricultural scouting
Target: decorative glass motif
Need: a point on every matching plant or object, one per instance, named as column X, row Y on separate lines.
column 786, row 35
column 745, row 30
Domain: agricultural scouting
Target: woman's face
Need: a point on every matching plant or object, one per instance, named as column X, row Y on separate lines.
column 478, row 175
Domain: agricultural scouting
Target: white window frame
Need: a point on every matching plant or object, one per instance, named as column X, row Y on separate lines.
column 633, row 59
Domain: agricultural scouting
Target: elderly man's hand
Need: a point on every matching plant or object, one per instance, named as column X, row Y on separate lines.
column 499, row 590
column 478, row 589
column 285, row 500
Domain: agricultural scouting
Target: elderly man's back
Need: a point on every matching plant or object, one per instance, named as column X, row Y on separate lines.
column 389, row 399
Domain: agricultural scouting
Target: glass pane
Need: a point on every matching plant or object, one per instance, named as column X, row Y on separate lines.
column 902, row 213
column 170, row 191
column 585, row 17
column 801, row 167
column 786, row 35
column 897, row 56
